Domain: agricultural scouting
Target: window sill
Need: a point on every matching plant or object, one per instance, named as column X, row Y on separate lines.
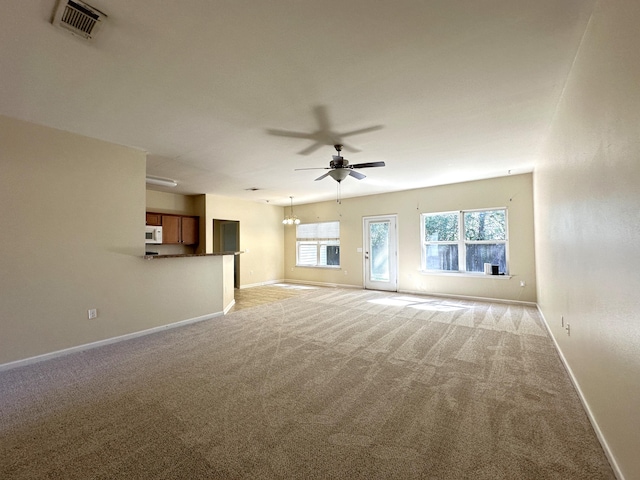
column 330, row 267
column 466, row 275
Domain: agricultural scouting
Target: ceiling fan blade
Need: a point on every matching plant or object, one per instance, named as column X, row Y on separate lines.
column 320, row 111
column 287, row 133
column 309, row 150
column 362, row 130
column 312, row 168
column 368, row 165
column 321, row 176
column 357, row 175
column 350, row 148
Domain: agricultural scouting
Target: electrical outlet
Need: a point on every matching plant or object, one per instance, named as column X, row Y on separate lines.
column 568, row 329
column 93, row 313
column 346, row 273
column 523, row 283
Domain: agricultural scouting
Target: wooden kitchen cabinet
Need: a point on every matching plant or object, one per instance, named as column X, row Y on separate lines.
column 189, row 230
column 171, row 229
column 154, row 219
column 176, row 229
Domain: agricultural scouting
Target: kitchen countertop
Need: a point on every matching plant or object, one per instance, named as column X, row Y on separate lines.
column 153, row 257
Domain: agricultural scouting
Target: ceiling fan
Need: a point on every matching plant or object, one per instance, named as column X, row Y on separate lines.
column 324, row 135
column 339, row 168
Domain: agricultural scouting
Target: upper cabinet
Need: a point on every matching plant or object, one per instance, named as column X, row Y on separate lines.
column 171, row 229
column 176, row 229
column 154, row 219
column 189, row 230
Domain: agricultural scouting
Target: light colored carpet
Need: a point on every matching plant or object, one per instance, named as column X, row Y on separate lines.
column 329, row 384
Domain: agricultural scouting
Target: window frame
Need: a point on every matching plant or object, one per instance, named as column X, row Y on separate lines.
column 319, row 243
column 462, row 242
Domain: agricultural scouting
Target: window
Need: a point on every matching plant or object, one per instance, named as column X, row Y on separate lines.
column 318, row 244
column 464, row 241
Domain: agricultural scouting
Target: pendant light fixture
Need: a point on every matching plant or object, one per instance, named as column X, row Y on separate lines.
column 291, row 219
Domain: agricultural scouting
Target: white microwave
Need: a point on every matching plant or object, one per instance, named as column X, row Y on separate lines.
column 153, row 234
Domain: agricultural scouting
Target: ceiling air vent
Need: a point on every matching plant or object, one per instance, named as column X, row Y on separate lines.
column 78, row 18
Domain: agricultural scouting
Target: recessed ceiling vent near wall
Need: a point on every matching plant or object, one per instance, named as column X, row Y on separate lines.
column 78, row 18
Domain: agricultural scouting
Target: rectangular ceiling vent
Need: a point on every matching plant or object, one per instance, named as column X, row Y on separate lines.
column 78, row 18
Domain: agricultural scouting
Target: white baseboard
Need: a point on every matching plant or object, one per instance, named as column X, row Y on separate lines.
column 412, row 292
column 107, row 341
column 585, row 404
column 467, row 297
column 298, row 282
column 231, row 304
column 260, row 284
column 322, row 284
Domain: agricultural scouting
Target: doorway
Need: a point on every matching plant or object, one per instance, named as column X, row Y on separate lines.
column 380, row 253
column 226, row 238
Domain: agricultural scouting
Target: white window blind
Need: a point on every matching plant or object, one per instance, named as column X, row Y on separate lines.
column 318, row 244
column 318, row 231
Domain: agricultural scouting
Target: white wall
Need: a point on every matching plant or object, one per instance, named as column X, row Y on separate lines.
column 72, row 211
column 261, row 237
column 514, row 192
column 587, row 203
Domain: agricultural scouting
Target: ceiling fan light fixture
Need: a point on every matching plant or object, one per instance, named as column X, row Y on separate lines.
column 339, row 174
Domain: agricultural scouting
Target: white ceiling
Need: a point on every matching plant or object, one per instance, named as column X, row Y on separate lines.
column 464, row 89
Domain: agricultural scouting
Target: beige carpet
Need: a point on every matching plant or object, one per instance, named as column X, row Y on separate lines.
column 330, row 384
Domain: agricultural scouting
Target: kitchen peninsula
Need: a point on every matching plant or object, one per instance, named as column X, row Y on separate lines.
column 185, row 255
column 222, row 267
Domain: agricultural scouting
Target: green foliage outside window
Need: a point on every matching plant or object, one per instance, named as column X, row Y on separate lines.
column 450, row 245
column 485, row 225
column 441, row 227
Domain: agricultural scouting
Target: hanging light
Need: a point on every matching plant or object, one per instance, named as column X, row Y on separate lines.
column 291, row 219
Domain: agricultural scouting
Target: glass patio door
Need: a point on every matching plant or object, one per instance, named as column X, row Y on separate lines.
column 380, row 253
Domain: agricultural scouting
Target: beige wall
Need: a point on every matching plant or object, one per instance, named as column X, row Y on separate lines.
column 587, row 200
column 167, row 202
column 513, row 192
column 261, row 237
column 72, row 211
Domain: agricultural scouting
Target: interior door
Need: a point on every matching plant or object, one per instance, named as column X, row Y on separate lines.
column 380, row 253
column 230, row 240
